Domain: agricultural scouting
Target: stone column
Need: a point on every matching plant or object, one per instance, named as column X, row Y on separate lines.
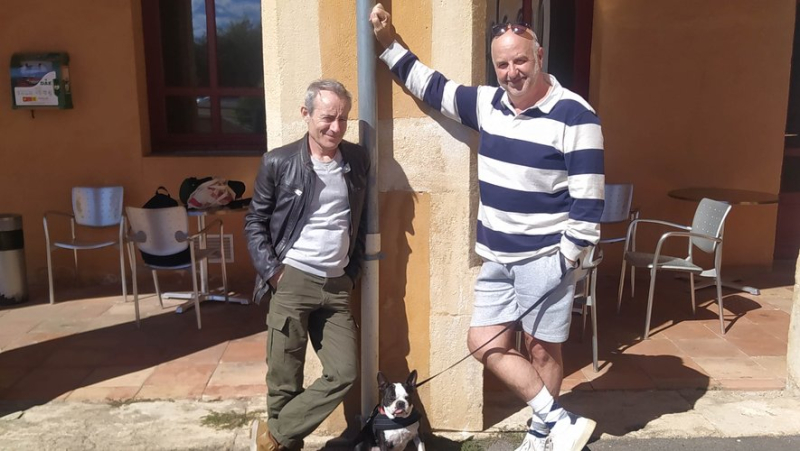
column 793, row 351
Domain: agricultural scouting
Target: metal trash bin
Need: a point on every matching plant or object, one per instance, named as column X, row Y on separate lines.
column 13, row 280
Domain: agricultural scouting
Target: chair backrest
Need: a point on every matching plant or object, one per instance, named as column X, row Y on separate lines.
column 97, row 206
column 709, row 219
column 157, row 229
column 618, row 199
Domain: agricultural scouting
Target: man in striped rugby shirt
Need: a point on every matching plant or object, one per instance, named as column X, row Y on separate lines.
column 540, row 170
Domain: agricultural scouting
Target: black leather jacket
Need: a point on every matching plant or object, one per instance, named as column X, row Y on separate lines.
column 280, row 207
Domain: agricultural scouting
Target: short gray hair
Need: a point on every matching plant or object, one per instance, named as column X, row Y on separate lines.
column 325, row 84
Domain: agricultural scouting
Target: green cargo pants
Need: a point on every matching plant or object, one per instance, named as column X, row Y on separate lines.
column 307, row 306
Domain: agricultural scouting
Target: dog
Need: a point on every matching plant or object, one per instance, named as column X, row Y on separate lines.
column 394, row 422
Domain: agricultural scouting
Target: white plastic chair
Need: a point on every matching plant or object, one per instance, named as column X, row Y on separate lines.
column 92, row 208
column 704, row 234
column 164, row 232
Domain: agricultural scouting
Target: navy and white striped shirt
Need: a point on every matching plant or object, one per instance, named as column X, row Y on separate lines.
column 540, row 171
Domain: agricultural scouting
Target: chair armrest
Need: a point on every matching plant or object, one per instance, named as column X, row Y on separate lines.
column 657, row 221
column 57, row 213
column 634, row 227
column 212, row 224
column 688, row 235
column 595, row 259
column 680, row 234
column 137, row 237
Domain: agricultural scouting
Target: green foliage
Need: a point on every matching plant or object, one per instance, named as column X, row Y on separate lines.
column 230, row 420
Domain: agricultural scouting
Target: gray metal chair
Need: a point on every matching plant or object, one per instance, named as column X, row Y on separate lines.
column 92, row 208
column 704, row 234
column 586, row 295
column 616, row 209
column 162, row 235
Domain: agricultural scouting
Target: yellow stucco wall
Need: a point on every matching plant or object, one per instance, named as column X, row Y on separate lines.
column 102, row 141
column 694, row 94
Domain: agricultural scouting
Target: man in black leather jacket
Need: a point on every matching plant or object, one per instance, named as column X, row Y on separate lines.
column 305, row 234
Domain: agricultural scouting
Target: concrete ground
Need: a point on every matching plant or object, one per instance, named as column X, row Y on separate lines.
column 78, row 375
column 626, row 420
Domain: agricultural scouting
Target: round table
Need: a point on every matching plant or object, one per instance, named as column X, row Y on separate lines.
column 733, row 197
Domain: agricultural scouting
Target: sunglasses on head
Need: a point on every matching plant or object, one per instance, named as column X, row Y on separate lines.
column 518, row 28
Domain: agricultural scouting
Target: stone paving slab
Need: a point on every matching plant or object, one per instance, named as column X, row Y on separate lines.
column 178, row 425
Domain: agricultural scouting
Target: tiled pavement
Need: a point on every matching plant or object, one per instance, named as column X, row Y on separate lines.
column 86, row 347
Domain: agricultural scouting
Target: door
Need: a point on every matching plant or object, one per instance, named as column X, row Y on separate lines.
column 787, row 233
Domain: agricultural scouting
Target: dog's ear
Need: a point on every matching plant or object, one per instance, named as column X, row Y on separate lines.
column 383, row 383
column 412, row 379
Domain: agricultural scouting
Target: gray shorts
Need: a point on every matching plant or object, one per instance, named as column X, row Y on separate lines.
column 504, row 291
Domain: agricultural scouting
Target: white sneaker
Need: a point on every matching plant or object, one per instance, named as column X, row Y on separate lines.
column 572, row 433
column 534, row 443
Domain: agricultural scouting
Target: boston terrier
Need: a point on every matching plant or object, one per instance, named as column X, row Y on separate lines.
column 394, row 422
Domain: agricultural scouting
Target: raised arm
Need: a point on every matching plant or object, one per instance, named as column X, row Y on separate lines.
column 455, row 101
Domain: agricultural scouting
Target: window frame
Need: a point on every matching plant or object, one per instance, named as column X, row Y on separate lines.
column 215, row 142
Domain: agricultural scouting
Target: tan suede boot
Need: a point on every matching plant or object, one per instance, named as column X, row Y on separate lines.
column 261, row 439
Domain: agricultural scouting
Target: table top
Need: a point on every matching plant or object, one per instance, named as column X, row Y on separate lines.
column 731, row 196
column 216, row 210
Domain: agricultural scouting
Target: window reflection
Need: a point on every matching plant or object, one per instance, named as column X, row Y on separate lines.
column 188, row 114
column 184, row 42
column 243, row 115
column 240, row 62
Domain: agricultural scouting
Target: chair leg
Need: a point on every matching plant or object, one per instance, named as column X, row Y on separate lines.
column 224, row 278
column 135, row 286
column 650, row 303
column 123, row 272
column 719, row 300
column 50, row 275
column 75, row 253
column 593, row 294
column 195, row 292
column 585, row 305
column 621, row 285
column 158, row 289
column 691, row 289
column 633, row 279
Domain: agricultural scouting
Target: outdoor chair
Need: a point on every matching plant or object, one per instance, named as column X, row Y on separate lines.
column 92, row 208
column 616, row 209
column 162, row 236
column 586, row 295
column 704, row 234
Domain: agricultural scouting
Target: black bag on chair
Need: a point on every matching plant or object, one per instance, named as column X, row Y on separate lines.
column 161, row 200
column 164, row 200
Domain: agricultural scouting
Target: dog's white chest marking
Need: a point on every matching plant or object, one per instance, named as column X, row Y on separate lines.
column 399, row 438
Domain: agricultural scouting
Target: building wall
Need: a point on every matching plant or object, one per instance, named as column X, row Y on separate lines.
column 427, row 192
column 103, row 140
column 694, row 94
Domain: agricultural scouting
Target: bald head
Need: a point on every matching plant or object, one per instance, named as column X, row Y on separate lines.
column 517, row 61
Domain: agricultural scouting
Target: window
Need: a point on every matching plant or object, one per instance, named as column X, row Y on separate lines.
column 205, row 75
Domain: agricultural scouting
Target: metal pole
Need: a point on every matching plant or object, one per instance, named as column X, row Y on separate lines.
column 367, row 120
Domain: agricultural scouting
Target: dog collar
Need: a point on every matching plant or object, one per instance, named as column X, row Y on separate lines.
column 383, row 423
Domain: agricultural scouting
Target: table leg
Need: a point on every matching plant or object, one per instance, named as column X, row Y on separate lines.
column 732, row 284
column 201, row 224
